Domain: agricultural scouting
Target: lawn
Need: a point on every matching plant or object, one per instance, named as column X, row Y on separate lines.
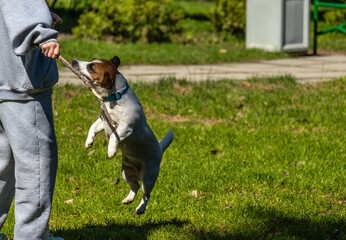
column 261, row 159
column 164, row 53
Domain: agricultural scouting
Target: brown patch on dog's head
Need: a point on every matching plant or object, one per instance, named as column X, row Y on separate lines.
column 104, row 71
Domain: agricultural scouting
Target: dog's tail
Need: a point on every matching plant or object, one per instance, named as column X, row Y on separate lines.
column 166, row 141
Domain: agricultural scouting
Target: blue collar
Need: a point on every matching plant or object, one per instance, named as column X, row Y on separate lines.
column 118, row 95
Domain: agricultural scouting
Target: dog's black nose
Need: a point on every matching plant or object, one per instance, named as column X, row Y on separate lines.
column 74, row 63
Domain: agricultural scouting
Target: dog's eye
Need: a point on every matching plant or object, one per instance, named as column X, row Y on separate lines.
column 90, row 67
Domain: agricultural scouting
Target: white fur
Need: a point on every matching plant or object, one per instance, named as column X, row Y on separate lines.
column 82, row 68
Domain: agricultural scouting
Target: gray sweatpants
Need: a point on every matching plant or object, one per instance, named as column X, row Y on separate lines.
column 28, row 164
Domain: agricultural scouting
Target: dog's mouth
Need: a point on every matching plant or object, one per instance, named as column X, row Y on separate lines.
column 75, row 65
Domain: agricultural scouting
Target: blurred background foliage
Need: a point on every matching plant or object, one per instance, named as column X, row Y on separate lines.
column 151, row 21
column 202, row 23
column 131, row 20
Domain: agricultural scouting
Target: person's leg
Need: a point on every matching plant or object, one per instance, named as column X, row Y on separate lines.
column 6, row 176
column 30, row 129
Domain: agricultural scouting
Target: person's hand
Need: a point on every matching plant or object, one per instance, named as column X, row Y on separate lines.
column 56, row 19
column 51, row 49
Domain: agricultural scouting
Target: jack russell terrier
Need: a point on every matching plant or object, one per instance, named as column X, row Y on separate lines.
column 141, row 151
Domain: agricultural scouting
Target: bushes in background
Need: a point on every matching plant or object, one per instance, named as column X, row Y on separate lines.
column 131, row 20
column 228, row 17
column 335, row 17
column 75, row 5
column 155, row 21
column 162, row 20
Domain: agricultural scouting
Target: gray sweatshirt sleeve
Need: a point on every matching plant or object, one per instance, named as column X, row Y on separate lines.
column 28, row 23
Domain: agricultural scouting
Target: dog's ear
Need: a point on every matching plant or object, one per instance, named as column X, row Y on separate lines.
column 107, row 81
column 116, row 61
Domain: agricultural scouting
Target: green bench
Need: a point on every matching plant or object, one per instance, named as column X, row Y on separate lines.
column 340, row 28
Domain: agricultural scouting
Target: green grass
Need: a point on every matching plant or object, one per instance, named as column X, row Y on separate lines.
column 262, row 160
column 163, row 54
column 196, row 9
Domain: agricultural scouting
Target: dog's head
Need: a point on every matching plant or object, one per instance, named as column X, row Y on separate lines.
column 101, row 72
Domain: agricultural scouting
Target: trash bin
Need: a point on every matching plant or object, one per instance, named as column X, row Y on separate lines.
column 278, row 25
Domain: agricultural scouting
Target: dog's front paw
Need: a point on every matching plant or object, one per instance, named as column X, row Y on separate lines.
column 89, row 144
column 112, row 148
column 111, row 154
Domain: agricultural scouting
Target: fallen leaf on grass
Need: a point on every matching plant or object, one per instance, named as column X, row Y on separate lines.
column 342, row 201
column 91, row 152
column 239, row 114
column 194, row 193
column 197, row 194
column 301, row 163
column 223, row 50
column 77, row 190
column 68, row 202
column 246, row 84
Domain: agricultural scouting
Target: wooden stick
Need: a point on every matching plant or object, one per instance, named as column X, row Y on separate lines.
column 86, row 82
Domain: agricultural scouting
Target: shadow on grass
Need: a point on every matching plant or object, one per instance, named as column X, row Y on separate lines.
column 173, row 229
column 261, row 223
column 118, row 231
column 277, row 225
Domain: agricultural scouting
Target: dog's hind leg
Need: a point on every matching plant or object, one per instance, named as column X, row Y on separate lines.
column 130, row 174
column 96, row 128
column 150, row 176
